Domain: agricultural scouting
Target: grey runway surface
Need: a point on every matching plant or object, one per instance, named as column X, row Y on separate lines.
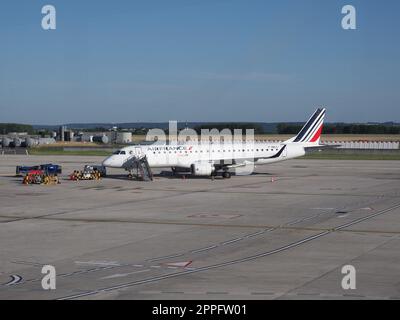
column 283, row 233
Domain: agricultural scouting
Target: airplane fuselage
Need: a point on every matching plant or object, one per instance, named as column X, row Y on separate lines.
column 205, row 159
column 185, row 155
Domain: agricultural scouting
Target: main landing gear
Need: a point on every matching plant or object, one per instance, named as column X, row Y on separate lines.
column 225, row 175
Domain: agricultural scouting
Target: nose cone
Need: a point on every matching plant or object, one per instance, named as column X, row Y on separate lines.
column 108, row 162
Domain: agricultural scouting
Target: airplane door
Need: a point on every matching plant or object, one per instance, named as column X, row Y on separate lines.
column 138, row 151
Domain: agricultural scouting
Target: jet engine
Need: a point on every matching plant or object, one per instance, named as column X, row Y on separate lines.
column 202, row 168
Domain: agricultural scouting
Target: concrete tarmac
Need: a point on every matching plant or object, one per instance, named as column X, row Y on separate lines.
column 284, row 232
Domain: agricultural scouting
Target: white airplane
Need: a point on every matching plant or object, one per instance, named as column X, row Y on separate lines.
column 207, row 159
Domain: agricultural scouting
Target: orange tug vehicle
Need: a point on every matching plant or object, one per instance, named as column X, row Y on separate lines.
column 40, row 177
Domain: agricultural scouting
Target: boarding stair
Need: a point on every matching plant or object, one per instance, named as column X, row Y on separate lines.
column 139, row 167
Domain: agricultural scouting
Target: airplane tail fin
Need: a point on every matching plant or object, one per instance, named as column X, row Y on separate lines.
column 310, row 134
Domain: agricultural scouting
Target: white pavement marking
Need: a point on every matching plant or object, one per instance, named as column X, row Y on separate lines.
column 29, row 263
column 254, row 234
column 167, row 257
column 99, row 263
column 120, row 275
column 203, row 249
column 231, row 241
column 182, row 264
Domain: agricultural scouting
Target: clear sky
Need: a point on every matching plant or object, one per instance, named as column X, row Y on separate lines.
column 198, row 60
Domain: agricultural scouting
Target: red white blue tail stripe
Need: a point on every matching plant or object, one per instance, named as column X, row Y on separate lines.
column 311, row 132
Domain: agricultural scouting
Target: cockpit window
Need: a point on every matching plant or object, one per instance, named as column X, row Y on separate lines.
column 117, row 152
column 122, row 152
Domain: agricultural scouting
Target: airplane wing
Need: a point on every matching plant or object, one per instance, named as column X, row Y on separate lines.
column 246, row 162
column 323, row 146
column 238, row 165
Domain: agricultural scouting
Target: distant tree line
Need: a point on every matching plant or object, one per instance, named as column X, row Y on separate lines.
column 362, row 129
column 258, row 129
column 288, row 128
column 6, row 128
column 341, row 128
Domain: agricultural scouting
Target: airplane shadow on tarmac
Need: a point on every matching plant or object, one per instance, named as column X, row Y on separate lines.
column 180, row 176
